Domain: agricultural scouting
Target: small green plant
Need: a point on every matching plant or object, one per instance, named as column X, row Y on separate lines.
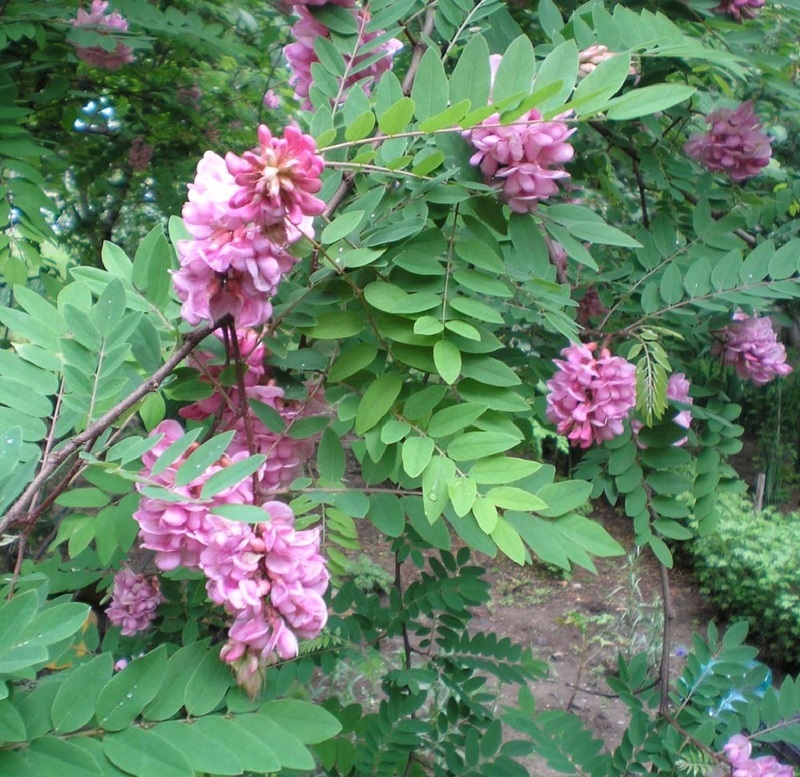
column 748, row 566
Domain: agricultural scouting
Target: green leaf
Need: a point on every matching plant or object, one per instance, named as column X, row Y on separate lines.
column 116, row 261
column 331, row 461
column 416, row 454
column 254, row 753
column 50, row 755
column 648, row 99
column 289, row 750
column 336, row 325
column 54, row 624
column 660, row 551
column 430, row 88
column 377, row 401
column 463, row 493
column 180, row 668
column 485, row 513
column 454, row 419
column 515, row 74
column 397, row 117
column 447, row 359
column 145, row 754
column 671, row 286
column 479, row 445
column 604, row 234
column 341, row 226
column 207, row 686
column 502, row 469
column 109, row 309
column 242, row 513
column 12, row 726
column 83, row 497
column 231, row 475
column 386, row 513
column 309, row 723
column 560, row 65
column 74, row 703
column 204, row 755
column 10, row 450
column 352, row 360
column 594, row 91
column 511, row 498
column 507, row 539
column 471, row 77
column 435, row 480
column 127, row 693
column 198, row 462
column 563, row 497
column 268, row 416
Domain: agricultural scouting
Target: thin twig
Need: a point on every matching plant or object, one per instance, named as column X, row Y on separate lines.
column 190, row 341
column 420, row 47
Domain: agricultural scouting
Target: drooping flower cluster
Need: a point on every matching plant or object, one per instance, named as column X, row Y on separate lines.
column 285, row 456
column 590, row 397
column 524, row 159
column 740, row 9
column 242, row 213
column 97, row 56
column 738, row 751
column 134, row 600
column 749, row 344
column 366, row 67
column 268, row 576
column 140, row 154
column 734, row 144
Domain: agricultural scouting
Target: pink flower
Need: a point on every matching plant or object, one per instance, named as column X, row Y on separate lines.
column 734, row 144
column 133, row 601
column 104, row 24
column 524, row 159
column 751, row 346
column 301, row 55
column 590, row 398
column 277, row 180
column 139, row 155
column 740, row 9
column 271, row 100
column 738, row 750
column 590, row 58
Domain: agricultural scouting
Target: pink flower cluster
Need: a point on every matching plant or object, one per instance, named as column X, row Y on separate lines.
column 242, row 213
column 139, row 155
column 738, row 750
column 750, row 346
column 134, row 600
column 591, row 57
column 285, row 456
column 589, row 397
column 524, row 159
column 268, row 576
column 740, row 9
column 373, row 59
column 734, row 144
column 97, row 56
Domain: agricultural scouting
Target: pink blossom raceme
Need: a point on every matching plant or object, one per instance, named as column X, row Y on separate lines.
column 104, row 24
column 734, row 144
column 139, row 155
column 589, row 397
column 750, row 346
column 738, row 750
column 134, row 600
column 740, row 9
column 277, row 180
column 523, row 159
column 301, row 55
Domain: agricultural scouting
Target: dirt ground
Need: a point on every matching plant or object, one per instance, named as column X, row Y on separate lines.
column 579, row 623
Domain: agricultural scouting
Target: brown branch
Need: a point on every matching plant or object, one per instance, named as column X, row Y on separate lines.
column 18, row 510
column 420, row 47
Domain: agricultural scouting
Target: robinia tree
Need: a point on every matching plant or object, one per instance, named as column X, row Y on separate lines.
column 423, row 247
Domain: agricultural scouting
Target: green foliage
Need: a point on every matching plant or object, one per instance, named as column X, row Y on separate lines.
column 748, row 566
